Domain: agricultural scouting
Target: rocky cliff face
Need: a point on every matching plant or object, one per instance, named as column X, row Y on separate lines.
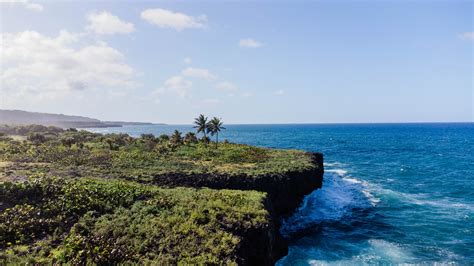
column 265, row 245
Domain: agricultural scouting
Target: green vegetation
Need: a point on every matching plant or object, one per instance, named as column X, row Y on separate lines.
column 105, row 222
column 82, row 153
column 69, row 196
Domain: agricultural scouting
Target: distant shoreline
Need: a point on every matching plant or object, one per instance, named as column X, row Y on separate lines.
column 19, row 117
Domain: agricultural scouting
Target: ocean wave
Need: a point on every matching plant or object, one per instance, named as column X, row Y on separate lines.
column 334, row 164
column 422, row 200
column 339, row 195
column 376, row 251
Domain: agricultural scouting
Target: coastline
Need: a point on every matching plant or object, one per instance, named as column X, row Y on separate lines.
column 273, row 181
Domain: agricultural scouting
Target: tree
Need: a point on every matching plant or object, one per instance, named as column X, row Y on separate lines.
column 110, row 142
column 164, row 138
column 67, row 141
column 205, row 140
column 190, row 137
column 176, row 138
column 201, row 124
column 215, row 126
column 150, row 137
column 36, row 138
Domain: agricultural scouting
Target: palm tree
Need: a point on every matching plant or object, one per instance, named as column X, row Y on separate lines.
column 201, row 124
column 176, row 138
column 215, row 126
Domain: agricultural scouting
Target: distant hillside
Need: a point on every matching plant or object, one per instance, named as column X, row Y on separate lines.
column 18, row 117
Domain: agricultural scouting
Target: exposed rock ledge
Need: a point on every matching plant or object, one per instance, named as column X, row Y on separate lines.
column 262, row 246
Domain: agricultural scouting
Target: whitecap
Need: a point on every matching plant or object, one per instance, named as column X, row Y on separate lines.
column 340, row 172
column 423, row 200
column 333, row 164
column 376, row 251
column 339, row 195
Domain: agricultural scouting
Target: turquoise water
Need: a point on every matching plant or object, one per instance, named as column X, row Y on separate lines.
column 392, row 193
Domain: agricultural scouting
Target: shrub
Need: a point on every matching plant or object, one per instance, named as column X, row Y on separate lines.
column 190, row 138
column 36, row 138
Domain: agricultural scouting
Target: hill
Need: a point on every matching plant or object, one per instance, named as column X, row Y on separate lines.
column 19, row 117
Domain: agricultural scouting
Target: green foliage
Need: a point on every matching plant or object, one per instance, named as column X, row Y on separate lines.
column 36, row 138
column 176, row 139
column 164, row 138
column 120, row 156
column 92, row 216
column 107, row 222
column 24, row 130
column 190, row 138
column 201, row 125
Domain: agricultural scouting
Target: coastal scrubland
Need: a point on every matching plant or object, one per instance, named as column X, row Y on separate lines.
column 82, row 153
column 81, row 197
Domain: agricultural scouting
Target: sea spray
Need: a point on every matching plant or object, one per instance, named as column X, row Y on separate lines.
column 339, row 195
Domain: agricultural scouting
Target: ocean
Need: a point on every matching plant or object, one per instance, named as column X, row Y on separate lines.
column 392, row 193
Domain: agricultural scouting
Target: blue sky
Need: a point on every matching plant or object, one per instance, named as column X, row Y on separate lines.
column 247, row 62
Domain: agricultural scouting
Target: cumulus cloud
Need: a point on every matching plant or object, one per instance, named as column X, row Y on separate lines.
column 250, row 43
column 178, row 85
column 279, row 92
column 201, row 73
column 27, row 4
column 106, row 23
column 40, row 66
column 226, row 86
column 468, row 36
column 168, row 19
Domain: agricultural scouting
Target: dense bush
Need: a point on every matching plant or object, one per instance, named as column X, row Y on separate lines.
column 24, row 130
column 104, row 222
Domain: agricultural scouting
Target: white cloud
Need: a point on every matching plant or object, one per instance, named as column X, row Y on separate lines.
column 38, row 66
column 279, row 92
column 247, row 94
column 187, row 60
column 250, row 43
column 106, row 23
column 178, row 85
column 27, row 4
column 198, row 73
column 226, row 86
column 168, row 19
column 211, row 101
column 468, row 36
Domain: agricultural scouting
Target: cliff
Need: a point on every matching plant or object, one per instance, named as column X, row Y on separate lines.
column 285, row 190
column 264, row 245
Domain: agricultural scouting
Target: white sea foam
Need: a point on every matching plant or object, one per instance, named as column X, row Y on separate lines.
column 376, row 251
column 340, row 172
column 389, row 251
column 333, row 164
column 339, row 195
column 423, row 200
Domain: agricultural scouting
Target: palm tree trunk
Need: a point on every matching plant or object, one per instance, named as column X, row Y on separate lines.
column 217, row 139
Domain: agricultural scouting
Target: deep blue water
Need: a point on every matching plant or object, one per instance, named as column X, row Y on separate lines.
column 392, row 193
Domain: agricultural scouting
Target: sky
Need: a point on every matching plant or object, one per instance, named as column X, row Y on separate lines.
column 243, row 61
